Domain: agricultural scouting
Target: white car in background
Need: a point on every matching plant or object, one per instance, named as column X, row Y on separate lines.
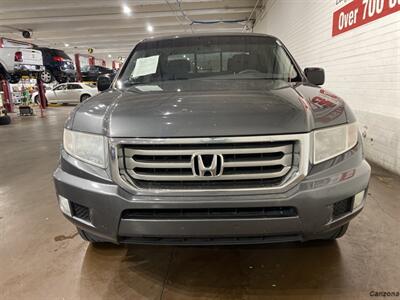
column 71, row 92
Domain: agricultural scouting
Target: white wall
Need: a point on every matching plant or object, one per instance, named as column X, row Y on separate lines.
column 362, row 66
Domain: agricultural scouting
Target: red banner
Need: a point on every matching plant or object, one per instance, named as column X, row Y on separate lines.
column 360, row 12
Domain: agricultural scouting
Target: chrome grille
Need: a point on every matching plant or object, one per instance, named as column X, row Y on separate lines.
column 246, row 164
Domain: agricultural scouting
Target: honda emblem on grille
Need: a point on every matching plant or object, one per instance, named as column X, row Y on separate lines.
column 207, row 165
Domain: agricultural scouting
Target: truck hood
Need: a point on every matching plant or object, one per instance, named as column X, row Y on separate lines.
column 202, row 108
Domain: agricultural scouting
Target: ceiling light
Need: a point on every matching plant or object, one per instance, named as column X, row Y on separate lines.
column 126, row 10
column 109, row 55
column 150, row 28
column 66, row 45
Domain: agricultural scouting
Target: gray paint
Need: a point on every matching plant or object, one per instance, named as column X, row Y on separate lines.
column 313, row 198
column 209, row 108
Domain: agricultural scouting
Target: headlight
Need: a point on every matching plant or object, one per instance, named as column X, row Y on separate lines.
column 90, row 148
column 331, row 142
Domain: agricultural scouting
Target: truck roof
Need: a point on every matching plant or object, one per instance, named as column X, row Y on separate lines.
column 187, row 35
column 22, row 43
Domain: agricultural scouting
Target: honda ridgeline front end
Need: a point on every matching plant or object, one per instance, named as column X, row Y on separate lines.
column 212, row 139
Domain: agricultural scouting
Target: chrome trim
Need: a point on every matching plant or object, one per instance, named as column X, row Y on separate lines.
column 83, row 221
column 130, row 154
column 283, row 149
column 304, row 141
column 286, row 161
column 203, row 169
column 283, row 172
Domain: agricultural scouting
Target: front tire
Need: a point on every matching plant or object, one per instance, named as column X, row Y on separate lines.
column 338, row 233
column 4, row 75
column 5, row 120
column 37, row 100
column 85, row 97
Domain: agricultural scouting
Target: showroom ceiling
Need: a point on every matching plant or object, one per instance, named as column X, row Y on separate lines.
column 112, row 27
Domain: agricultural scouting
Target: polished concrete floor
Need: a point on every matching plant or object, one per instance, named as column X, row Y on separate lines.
column 41, row 256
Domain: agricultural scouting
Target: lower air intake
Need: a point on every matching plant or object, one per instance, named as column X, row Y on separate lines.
column 211, row 213
column 80, row 211
column 342, row 207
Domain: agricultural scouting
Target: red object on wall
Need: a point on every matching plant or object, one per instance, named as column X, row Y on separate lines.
column 7, row 96
column 361, row 12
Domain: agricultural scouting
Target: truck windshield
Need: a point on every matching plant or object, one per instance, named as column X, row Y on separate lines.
column 208, row 57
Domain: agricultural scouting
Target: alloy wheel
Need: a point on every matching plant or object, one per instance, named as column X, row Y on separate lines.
column 46, row 76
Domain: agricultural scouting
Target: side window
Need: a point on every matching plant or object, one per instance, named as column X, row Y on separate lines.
column 74, row 87
column 282, row 64
column 60, row 87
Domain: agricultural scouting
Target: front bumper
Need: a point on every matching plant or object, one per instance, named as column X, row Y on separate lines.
column 65, row 73
column 313, row 199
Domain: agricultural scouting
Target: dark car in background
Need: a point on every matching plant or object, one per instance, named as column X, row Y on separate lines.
column 58, row 66
column 91, row 73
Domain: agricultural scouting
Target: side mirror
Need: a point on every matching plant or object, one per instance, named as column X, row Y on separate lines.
column 103, row 82
column 315, row 75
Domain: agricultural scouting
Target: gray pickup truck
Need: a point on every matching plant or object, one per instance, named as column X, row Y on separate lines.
column 212, row 139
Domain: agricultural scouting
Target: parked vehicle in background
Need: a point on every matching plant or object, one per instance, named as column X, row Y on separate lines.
column 212, row 139
column 72, row 92
column 58, row 66
column 18, row 58
column 90, row 73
